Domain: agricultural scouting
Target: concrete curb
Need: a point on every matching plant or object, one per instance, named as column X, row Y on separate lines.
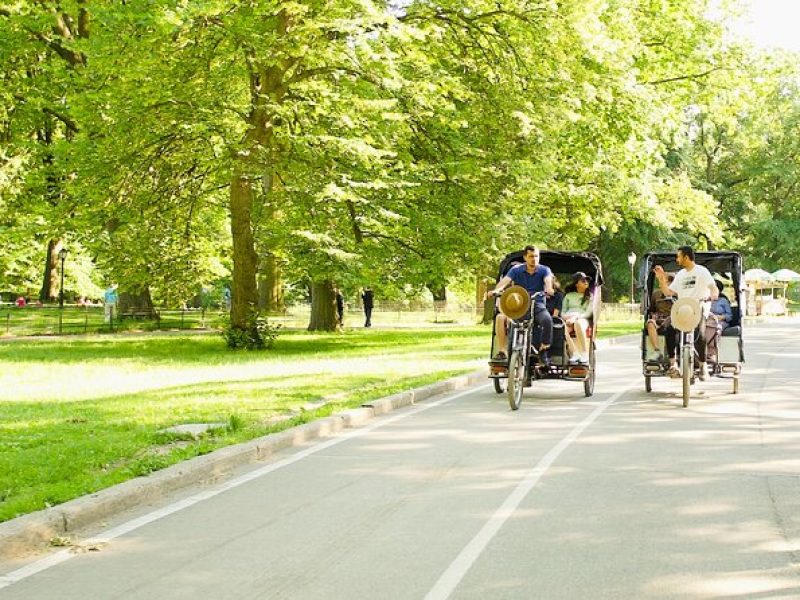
column 33, row 532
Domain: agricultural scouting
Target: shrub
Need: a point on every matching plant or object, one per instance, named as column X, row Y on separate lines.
column 259, row 334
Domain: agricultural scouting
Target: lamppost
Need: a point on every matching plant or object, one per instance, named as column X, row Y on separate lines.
column 62, row 254
column 631, row 262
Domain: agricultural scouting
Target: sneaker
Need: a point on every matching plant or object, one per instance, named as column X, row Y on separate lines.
column 674, row 372
column 574, row 359
column 500, row 356
column 583, row 359
column 544, row 357
column 703, row 375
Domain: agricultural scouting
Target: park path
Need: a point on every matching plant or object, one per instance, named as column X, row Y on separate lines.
column 622, row 495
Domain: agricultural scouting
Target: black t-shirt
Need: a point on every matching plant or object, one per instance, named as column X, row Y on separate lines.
column 367, row 298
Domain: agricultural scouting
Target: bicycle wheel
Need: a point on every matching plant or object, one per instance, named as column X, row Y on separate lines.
column 516, row 379
column 687, row 368
column 498, row 385
column 588, row 383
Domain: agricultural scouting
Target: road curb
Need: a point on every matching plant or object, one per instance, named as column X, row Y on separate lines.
column 33, row 532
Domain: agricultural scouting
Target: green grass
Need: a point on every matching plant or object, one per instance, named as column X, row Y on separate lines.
column 79, row 415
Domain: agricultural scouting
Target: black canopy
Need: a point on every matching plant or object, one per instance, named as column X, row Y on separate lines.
column 560, row 262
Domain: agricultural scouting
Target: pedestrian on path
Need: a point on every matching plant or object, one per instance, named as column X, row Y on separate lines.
column 110, row 300
column 339, row 306
column 367, row 299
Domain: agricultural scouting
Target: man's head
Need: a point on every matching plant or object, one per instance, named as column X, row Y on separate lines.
column 531, row 256
column 685, row 256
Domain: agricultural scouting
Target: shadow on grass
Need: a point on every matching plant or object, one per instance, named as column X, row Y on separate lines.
column 211, row 348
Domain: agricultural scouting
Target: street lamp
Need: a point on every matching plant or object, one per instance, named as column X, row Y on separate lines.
column 62, row 254
column 631, row 262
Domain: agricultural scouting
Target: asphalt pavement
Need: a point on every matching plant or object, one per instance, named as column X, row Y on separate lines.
column 622, row 495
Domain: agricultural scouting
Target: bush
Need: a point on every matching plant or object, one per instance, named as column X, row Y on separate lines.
column 259, row 334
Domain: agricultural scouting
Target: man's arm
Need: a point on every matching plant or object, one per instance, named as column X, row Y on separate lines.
column 713, row 287
column 501, row 285
column 548, row 285
column 663, row 284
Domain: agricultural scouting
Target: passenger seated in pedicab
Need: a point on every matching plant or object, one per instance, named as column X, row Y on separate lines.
column 718, row 320
column 577, row 310
column 659, row 322
column 534, row 277
column 555, row 302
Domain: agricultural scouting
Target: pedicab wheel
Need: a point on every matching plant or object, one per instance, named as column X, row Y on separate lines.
column 516, row 380
column 498, row 385
column 648, row 383
column 735, row 384
column 686, row 369
column 588, row 383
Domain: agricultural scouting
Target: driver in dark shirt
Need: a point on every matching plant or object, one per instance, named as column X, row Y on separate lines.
column 534, row 277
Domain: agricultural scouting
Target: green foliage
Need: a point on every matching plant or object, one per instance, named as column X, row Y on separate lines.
column 259, row 334
column 381, row 143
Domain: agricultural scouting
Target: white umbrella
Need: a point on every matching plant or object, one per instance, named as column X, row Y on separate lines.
column 786, row 275
column 757, row 275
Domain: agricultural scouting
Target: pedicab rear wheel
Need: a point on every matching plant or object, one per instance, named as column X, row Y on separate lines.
column 588, row 383
column 648, row 383
column 498, row 385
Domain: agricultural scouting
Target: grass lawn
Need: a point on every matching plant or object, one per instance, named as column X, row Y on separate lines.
column 80, row 415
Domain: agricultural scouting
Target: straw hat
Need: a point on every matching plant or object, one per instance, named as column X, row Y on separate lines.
column 515, row 302
column 686, row 314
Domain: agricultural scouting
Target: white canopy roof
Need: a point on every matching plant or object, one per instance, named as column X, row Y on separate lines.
column 758, row 276
column 786, row 275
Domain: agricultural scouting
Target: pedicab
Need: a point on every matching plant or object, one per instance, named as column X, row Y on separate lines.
column 726, row 356
column 524, row 364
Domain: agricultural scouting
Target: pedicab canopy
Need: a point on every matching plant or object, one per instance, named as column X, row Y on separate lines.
column 560, row 262
column 722, row 264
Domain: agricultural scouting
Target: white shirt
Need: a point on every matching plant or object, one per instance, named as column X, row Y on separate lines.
column 696, row 283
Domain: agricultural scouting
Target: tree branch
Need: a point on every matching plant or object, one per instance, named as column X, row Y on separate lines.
column 685, row 77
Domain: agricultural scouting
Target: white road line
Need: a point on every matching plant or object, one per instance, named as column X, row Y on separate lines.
column 467, row 557
column 64, row 555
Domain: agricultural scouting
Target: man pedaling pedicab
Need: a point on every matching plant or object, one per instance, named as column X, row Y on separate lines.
column 692, row 281
column 534, row 277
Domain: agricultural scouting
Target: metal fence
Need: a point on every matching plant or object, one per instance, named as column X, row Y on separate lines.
column 73, row 319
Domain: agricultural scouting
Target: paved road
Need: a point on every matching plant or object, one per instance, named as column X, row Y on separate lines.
column 623, row 495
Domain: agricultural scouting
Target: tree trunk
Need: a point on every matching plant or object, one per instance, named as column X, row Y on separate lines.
column 486, row 304
column 138, row 301
column 244, row 296
column 323, row 307
column 50, row 281
column 439, row 292
column 270, row 288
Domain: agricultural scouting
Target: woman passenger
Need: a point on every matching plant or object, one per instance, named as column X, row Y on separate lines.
column 576, row 311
